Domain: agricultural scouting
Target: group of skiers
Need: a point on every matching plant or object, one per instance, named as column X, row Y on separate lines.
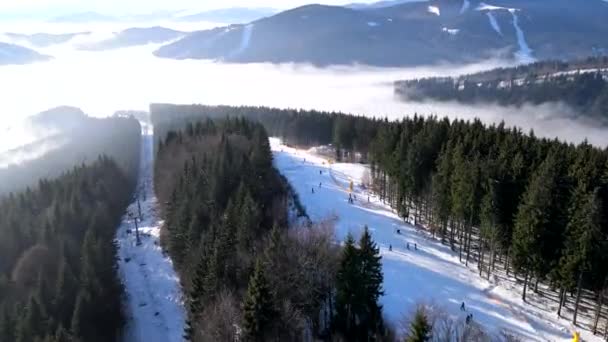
column 390, row 247
column 469, row 317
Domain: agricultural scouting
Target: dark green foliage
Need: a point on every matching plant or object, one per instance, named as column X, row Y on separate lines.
column 358, row 289
column 420, row 328
column 58, row 248
column 542, row 82
column 258, row 307
column 473, row 185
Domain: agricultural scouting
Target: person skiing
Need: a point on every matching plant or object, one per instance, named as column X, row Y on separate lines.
column 319, row 184
column 313, row 190
column 462, row 307
column 390, row 248
column 320, row 172
column 408, row 245
column 415, row 246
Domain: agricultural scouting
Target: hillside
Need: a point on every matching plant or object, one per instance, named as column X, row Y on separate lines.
column 411, row 33
column 15, row 54
column 44, row 39
column 582, row 85
column 134, row 37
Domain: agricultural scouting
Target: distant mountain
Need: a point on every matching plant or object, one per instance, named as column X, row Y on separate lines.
column 134, row 37
column 412, row 33
column 379, row 4
column 61, row 118
column 236, row 15
column 15, row 54
column 84, row 17
column 45, row 39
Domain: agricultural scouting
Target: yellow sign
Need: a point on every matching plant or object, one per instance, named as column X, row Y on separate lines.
column 576, row 337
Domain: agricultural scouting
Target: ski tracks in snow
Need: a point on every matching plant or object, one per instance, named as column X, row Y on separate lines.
column 154, row 301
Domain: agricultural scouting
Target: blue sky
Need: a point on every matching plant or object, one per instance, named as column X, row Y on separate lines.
column 117, row 7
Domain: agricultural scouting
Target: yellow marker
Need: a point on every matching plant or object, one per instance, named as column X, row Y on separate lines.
column 576, row 337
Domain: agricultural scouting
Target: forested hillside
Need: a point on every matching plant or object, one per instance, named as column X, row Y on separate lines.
column 503, row 198
column 583, row 85
column 79, row 139
column 229, row 215
column 58, row 277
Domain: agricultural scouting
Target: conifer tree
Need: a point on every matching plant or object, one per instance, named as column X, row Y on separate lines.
column 348, row 289
column 372, row 278
column 420, row 328
column 258, row 307
column 532, row 221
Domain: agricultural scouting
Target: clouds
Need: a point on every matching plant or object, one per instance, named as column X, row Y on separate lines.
column 117, row 7
column 103, row 82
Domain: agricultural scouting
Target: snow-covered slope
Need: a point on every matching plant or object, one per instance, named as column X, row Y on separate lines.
column 154, row 305
column 431, row 274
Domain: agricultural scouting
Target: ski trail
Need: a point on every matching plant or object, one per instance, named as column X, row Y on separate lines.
column 494, row 22
column 427, row 272
column 465, row 6
column 524, row 55
column 154, row 305
column 245, row 40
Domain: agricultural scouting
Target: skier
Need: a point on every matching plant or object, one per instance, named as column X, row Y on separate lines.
column 415, row 246
column 408, row 245
column 399, row 231
column 367, row 199
column 468, row 319
column 462, row 307
column 313, row 190
column 320, row 172
column 319, row 184
column 390, row 248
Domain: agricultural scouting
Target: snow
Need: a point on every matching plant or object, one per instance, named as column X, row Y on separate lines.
column 524, row 55
column 245, row 40
column 434, row 10
column 453, row 32
column 494, row 22
column 372, row 24
column 466, row 4
column 485, row 7
column 154, row 304
column 432, row 274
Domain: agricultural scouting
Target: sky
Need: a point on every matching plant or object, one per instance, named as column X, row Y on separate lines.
column 117, row 7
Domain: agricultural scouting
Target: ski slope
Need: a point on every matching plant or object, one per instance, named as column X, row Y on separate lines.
column 432, row 274
column 155, row 311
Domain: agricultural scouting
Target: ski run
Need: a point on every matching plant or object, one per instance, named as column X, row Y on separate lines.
column 428, row 272
column 154, row 304
column 417, row 269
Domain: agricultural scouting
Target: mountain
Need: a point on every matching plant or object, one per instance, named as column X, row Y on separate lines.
column 45, row 39
column 413, row 33
column 134, row 37
column 15, row 54
column 379, row 4
column 61, row 118
column 235, row 15
column 84, row 17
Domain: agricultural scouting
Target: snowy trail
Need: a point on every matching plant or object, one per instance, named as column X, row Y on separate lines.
column 494, row 22
column 245, row 40
column 155, row 310
column 466, row 4
column 524, row 55
column 431, row 274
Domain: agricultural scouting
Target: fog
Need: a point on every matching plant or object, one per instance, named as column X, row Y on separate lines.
column 101, row 83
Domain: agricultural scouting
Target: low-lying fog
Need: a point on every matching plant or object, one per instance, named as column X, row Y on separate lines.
column 102, row 82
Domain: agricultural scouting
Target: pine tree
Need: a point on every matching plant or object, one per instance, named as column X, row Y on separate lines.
column 258, row 308
column 32, row 324
column 420, row 329
column 532, row 221
column 347, row 290
column 372, row 278
column 7, row 326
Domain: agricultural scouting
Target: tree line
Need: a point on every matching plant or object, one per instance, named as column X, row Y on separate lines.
column 585, row 92
column 252, row 265
column 495, row 194
column 58, row 273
